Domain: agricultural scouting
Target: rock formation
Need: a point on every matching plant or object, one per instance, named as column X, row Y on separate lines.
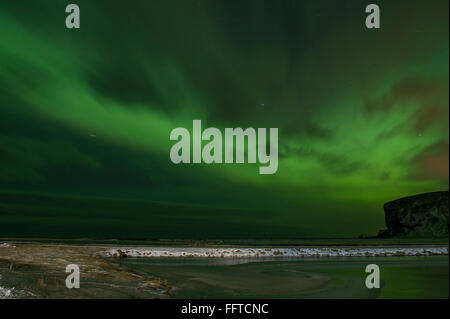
column 424, row 215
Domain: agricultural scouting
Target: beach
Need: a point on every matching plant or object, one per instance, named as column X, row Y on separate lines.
column 187, row 270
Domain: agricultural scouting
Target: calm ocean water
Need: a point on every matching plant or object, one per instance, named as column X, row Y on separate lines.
column 401, row 277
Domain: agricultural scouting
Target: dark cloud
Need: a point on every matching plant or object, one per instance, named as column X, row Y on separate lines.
column 334, row 163
column 432, row 163
column 430, row 116
column 410, row 92
column 414, row 89
column 308, row 128
column 128, row 83
column 385, row 176
column 286, row 149
column 426, row 100
column 27, row 159
column 340, row 165
column 394, row 131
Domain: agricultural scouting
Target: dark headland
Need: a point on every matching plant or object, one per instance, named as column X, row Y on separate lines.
column 423, row 215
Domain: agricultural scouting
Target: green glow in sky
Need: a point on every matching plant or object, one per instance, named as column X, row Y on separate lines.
column 362, row 114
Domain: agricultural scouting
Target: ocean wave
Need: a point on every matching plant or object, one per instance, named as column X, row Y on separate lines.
column 7, row 293
column 14, row 293
column 274, row 252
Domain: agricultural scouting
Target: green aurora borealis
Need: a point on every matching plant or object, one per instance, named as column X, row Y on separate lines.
column 362, row 114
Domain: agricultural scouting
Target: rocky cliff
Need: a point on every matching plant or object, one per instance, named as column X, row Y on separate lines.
column 424, row 215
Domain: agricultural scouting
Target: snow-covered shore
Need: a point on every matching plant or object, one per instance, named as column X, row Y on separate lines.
column 274, row 252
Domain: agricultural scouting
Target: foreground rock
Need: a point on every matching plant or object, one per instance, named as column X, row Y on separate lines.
column 424, row 215
column 33, row 270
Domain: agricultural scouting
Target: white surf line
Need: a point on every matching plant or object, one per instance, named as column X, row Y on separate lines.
column 6, row 293
column 274, row 252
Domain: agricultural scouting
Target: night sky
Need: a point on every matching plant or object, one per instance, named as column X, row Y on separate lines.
column 362, row 114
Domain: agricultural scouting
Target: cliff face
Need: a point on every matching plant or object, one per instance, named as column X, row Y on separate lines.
column 424, row 215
